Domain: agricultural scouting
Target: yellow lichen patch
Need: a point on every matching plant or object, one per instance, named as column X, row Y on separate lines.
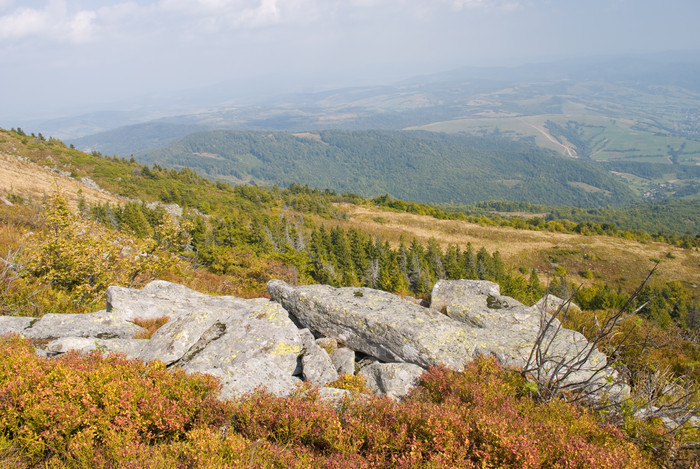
column 274, row 314
column 283, row 348
column 276, row 318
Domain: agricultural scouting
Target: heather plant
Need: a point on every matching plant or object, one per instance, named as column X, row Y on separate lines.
column 355, row 383
column 150, row 326
column 81, row 407
column 479, row 418
column 107, row 411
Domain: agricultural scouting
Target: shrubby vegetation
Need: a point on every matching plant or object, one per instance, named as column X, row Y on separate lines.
column 95, row 411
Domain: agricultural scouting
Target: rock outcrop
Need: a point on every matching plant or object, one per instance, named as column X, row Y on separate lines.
column 466, row 318
column 509, row 330
column 255, row 343
column 379, row 324
column 317, row 366
column 101, row 325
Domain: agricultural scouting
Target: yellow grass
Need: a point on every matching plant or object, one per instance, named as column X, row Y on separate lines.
column 24, row 179
column 612, row 259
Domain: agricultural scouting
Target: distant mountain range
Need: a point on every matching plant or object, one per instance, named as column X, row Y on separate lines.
column 636, row 116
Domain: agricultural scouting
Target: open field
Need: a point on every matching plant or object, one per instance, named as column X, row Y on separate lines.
column 614, row 260
column 599, row 138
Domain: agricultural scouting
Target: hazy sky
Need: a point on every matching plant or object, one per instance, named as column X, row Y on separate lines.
column 66, row 56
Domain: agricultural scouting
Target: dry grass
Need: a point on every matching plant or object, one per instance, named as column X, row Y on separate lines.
column 27, row 179
column 612, row 259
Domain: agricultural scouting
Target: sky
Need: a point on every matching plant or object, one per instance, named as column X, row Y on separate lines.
column 63, row 57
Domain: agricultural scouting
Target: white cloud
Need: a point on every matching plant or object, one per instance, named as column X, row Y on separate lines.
column 227, row 14
column 81, row 26
column 52, row 21
column 459, row 4
column 5, row 4
column 505, row 5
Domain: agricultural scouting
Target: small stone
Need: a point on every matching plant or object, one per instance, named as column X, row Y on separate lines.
column 344, row 360
column 393, row 379
column 317, row 367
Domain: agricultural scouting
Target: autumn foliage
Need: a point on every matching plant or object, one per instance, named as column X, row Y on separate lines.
column 107, row 411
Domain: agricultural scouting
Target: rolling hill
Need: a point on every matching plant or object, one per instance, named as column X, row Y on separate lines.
column 420, row 166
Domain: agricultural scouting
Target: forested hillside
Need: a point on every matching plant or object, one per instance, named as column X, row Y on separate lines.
column 420, row 166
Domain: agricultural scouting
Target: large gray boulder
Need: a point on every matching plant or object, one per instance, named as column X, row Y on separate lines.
column 100, row 325
column 509, row 330
column 175, row 338
column 462, row 295
column 379, row 324
column 131, row 348
column 247, row 344
column 480, row 304
column 477, row 320
column 14, row 324
column 244, row 377
column 160, row 298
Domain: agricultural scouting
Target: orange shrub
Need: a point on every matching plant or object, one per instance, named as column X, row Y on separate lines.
column 97, row 411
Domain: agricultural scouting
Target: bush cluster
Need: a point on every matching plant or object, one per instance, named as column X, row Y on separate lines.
column 107, row 411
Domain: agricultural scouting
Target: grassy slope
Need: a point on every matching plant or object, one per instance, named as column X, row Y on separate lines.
column 616, row 260
column 30, row 181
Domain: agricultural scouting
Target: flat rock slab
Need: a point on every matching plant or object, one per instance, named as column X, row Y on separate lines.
column 246, row 343
column 242, row 378
column 379, row 324
column 131, row 348
column 100, row 325
column 160, row 298
column 14, row 324
column 262, row 330
column 217, row 335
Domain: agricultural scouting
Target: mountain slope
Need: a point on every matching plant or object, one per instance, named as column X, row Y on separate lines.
column 418, row 166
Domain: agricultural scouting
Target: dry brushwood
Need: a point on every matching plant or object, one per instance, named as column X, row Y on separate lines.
column 573, row 376
column 656, row 394
column 13, row 297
